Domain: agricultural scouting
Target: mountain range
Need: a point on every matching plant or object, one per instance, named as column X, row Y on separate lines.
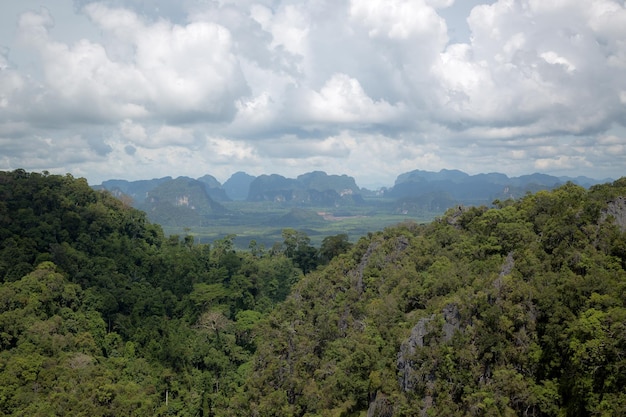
column 186, row 201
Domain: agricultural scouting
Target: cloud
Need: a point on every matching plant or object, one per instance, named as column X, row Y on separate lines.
column 403, row 40
column 288, row 27
column 560, row 163
column 169, row 71
column 373, row 87
column 43, row 152
column 158, row 137
column 553, row 58
column 532, row 73
column 11, row 84
column 343, row 100
column 398, row 19
column 224, row 151
column 290, row 147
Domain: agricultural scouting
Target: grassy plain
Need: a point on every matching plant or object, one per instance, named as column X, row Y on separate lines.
column 265, row 221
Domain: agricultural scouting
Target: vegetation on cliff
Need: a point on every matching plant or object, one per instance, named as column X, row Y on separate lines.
column 517, row 309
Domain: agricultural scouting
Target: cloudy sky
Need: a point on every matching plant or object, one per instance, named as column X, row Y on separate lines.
column 138, row 89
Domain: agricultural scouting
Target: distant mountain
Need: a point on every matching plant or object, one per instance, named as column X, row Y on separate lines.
column 585, row 181
column 461, row 188
column 320, row 181
column 417, row 175
column 173, row 202
column 137, row 190
column 238, row 186
column 186, row 201
column 180, row 202
column 536, row 179
column 314, row 188
column 214, row 188
column 274, row 187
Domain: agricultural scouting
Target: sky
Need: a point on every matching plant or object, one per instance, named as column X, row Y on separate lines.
column 140, row 89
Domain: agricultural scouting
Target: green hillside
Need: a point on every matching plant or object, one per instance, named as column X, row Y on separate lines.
column 102, row 315
column 519, row 310
column 514, row 310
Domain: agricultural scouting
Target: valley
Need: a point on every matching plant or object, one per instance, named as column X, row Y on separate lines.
column 319, row 204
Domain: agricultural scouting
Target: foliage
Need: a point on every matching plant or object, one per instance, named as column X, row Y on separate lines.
column 100, row 313
column 519, row 309
column 514, row 310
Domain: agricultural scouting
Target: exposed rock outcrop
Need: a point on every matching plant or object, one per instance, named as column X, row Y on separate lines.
column 617, row 210
column 380, row 406
column 425, row 329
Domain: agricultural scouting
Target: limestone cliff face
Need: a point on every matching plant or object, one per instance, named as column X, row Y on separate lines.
column 406, row 364
column 416, row 372
column 436, row 329
column 428, row 330
column 617, row 210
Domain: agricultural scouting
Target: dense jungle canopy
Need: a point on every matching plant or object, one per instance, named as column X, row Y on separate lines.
column 518, row 309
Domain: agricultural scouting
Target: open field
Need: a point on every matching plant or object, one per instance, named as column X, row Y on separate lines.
column 264, row 223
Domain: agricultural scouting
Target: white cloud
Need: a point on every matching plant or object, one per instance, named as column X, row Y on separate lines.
column 158, row 137
column 45, row 152
column 343, row 100
column 290, row 147
column 255, row 108
column 133, row 131
column 531, row 72
column 439, row 4
column 289, row 27
column 11, row 83
column 174, row 72
column 553, row 58
column 398, row 19
column 175, row 136
column 225, row 151
column 373, row 87
column 559, row 163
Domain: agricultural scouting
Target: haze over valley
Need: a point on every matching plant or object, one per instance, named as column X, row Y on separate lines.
column 258, row 208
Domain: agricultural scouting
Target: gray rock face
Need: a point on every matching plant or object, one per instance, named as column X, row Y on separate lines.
column 451, row 322
column 425, row 331
column 406, row 366
column 358, row 272
column 401, row 244
column 617, row 210
column 380, row 406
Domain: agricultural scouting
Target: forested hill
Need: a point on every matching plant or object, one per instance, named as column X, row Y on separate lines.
column 515, row 310
column 102, row 315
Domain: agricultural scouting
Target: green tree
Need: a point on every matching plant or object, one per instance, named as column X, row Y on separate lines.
column 333, row 246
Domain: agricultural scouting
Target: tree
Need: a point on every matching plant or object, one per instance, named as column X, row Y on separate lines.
column 333, row 246
column 296, row 247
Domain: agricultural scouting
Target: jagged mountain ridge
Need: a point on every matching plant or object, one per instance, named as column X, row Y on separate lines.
column 314, row 188
column 414, row 192
column 137, row 190
column 237, row 187
column 476, row 189
column 214, row 188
